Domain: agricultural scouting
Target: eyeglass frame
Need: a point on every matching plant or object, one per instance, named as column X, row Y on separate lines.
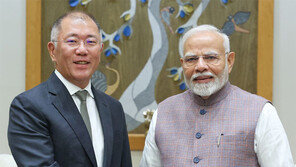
column 204, row 55
column 78, row 43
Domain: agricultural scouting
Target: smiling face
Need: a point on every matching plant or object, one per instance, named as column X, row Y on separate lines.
column 204, row 78
column 76, row 63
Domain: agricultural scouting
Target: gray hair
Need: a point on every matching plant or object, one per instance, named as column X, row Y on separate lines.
column 56, row 27
column 206, row 27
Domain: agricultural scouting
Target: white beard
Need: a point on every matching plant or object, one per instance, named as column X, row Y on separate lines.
column 207, row 89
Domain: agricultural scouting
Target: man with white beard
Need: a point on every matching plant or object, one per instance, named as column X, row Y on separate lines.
column 214, row 123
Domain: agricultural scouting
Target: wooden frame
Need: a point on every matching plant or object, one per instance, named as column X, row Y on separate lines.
column 264, row 54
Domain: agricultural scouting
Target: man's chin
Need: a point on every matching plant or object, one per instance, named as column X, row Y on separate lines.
column 202, row 92
column 204, row 89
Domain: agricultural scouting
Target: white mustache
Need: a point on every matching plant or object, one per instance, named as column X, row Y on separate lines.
column 202, row 74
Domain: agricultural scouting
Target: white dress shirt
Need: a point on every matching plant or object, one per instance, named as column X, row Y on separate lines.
column 94, row 117
column 271, row 144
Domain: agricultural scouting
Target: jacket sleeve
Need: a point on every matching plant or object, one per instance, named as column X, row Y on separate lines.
column 28, row 134
column 126, row 153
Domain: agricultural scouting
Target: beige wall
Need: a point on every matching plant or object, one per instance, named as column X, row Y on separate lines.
column 12, row 68
column 12, row 56
column 284, row 81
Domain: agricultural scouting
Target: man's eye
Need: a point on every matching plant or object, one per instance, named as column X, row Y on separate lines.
column 91, row 41
column 71, row 41
column 190, row 59
column 210, row 57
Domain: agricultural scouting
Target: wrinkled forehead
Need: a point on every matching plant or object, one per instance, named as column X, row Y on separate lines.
column 204, row 40
column 80, row 23
column 204, row 35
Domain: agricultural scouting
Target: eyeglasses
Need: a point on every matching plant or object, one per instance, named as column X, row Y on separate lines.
column 75, row 42
column 213, row 59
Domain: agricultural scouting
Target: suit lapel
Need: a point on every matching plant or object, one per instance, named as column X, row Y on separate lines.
column 106, row 121
column 64, row 103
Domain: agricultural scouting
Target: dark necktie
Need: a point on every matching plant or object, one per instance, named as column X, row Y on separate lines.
column 83, row 109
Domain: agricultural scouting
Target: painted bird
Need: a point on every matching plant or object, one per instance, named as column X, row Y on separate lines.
column 233, row 21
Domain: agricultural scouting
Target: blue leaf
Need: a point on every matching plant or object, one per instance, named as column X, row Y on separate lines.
column 174, row 71
column 114, row 51
column 73, row 3
column 171, row 10
column 116, row 38
column 182, row 14
column 182, row 86
column 225, row 1
column 127, row 31
column 181, row 30
column 107, row 53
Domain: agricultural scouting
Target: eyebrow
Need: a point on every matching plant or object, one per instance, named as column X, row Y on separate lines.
column 76, row 35
column 210, row 52
column 190, row 54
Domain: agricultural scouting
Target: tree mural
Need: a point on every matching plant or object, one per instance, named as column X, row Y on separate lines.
column 166, row 23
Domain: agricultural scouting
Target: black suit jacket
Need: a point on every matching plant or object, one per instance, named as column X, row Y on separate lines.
column 46, row 129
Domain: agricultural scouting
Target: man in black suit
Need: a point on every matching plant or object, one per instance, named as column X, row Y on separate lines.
column 48, row 125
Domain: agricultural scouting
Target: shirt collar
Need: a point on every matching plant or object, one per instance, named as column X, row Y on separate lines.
column 71, row 87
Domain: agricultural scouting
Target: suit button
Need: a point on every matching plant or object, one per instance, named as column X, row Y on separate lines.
column 203, row 112
column 196, row 160
column 198, row 135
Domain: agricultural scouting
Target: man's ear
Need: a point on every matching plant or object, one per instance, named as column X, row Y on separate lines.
column 102, row 46
column 51, row 50
column 230, row 61
column 182, row 61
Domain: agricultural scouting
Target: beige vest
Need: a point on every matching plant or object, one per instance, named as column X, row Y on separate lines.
column 215, row 132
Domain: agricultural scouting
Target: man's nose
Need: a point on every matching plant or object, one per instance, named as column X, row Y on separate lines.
column 201, row 65
column 82, row 49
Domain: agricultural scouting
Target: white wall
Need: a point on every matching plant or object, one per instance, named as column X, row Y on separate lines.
column 284, row 90
column 12, row 56
column 12, row 68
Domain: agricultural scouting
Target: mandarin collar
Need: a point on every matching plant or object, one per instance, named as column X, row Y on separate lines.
column 214, row 98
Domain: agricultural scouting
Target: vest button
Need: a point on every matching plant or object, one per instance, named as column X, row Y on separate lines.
column 198, row 135
column 196, row 160
column 203, row 112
